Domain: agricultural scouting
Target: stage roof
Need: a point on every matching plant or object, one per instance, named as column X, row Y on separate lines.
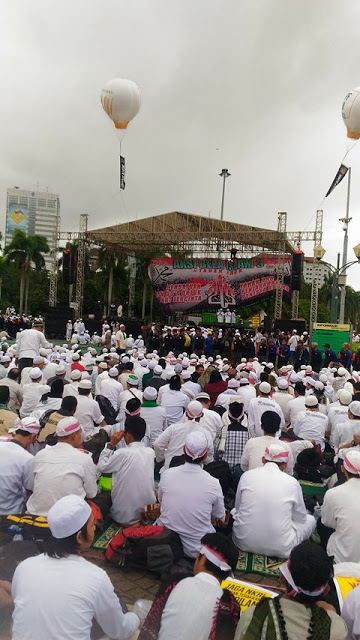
column 179, row 232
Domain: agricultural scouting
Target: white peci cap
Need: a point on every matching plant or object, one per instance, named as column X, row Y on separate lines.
column 67, row 516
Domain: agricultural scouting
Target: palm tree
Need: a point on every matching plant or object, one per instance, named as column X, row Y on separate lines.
column 25, row 251
column 109, row 260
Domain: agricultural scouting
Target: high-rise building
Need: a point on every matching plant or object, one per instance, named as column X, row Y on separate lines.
column 35, row 213
column 323, row 271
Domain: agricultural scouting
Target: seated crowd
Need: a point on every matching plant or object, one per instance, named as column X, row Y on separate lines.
column 233, row 447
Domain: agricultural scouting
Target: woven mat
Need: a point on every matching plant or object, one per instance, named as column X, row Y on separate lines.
column 103, row 538
column 257, row 563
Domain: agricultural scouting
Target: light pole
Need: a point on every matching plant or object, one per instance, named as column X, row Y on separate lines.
column 339, row 271
column 224, row 174
column 345, row 248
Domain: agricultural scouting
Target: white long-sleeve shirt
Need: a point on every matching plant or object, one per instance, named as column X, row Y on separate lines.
column 124, row 397
column 311, row 425
column 88, row 413
column 257, row 407
column 156, row 420
column 30, row 342
column 132, row 486
column 174, row 403
column 32, row 393
column 190, row 608
column 16, row 477
column 171, row 442
column 247, row 393
column 189, row 498
column 111, row 389
column 270, row 515
column 341, row 511
column 59, row 471
column 294, row 407
column 73, row 592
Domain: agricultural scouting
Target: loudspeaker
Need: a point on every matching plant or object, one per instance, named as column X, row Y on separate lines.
column 68, row 266
column 55, row 321
column 297, row 270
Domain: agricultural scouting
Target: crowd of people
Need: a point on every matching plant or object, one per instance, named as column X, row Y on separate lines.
column 233, row 423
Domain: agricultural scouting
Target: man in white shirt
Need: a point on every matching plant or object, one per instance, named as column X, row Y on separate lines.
column 194, row 387
column 339, row 412
column 121, row 339
column 131, row 391
column 111, row 388
column 102, row 375
column 16, row 467
column 270, row 515
column 247, row 392
column 283, row 397
column 88, row 411
column 311, row 424
column 62, row 469
column 340, row 512
column 258, row 405
column 193, row 605
column 72, row 389
column 154, row 415
column 174, row 401
column 4, row 366
column 73, row 590
column 293, row 342
column 29, row 343
column 39, row 362
column 253, row 453
column 190, row 497
column 170, row 443
column 344, row 432
column 210, row 420
column 15, row 390
column 132, row 469
column 297, row 404
column 223, row 398
column 32, row 392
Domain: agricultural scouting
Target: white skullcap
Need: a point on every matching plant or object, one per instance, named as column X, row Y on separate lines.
column 194, row 409
column 125, row 359
column 75, row 356
column 132, row 380
column 196, row 444
column 341, row 371
column 143, row 362
column 85, row 384
column 294, row 377
column 67, row 516
column 202, row 396
column 244, row 381
column 276, row 453
column 113, row 372
column 319, row 386
column 185, row 363
column 170, row 373
column 43, row 352
column 308, row 368
column 186, row 375
column 152, row 365
column 311, row 401
column 76, row 374
column 310, row 381
column 354, row 407
column 264, row 387
column 8, row 359
column 233, row 384
column 270, row 365
column 158, row 370
column 345, row 397
column 178, row 368
column 150, row 393
column 35, row 373
column 37, row 360
column 59, row 370
column 352, row 462
column 103, row 365
column 348, row 387
column 323, row 378
column 67, row 426
column 282, row 383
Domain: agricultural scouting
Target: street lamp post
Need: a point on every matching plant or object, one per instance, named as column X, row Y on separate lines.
column 224, row 174
column 339, row 271
column 346, row 221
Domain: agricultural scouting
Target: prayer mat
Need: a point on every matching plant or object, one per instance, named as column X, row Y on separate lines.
column 103, row 538
column 312, row 488
column 257, row 563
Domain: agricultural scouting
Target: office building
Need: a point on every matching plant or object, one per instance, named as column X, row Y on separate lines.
column 35, row 213
column 323, row 271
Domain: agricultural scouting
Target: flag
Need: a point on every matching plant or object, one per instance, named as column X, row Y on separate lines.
column 122, row 172
column 339, row 176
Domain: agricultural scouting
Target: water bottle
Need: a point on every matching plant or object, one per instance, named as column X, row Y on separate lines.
column 17, row 531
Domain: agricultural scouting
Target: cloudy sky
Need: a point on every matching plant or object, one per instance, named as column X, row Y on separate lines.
column 255, row 86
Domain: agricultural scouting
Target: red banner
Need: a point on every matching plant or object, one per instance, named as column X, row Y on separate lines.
column 214, row 283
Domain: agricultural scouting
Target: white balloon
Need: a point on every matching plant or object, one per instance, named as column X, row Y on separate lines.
column 351, row 113
column 121, row 101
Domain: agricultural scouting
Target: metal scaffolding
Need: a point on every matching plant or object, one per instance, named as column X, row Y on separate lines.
column 315, row 278
column 80, row 271
column 54, row 266
column 280, row 267
column 296, row 294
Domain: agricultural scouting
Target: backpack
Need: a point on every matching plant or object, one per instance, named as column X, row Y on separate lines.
column 153, row 548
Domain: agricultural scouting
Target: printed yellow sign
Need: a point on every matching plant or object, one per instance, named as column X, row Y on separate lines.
column 247, row 594
column 331, row 327
column 344, row 586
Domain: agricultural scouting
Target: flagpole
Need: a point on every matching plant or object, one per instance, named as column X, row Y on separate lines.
column 345, row 248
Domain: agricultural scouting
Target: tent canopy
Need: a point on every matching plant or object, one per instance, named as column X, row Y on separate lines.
column 179, row 232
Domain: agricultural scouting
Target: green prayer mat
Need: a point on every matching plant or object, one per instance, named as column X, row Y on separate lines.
column 257, row 563
column 312, row 488
column 103, row 538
